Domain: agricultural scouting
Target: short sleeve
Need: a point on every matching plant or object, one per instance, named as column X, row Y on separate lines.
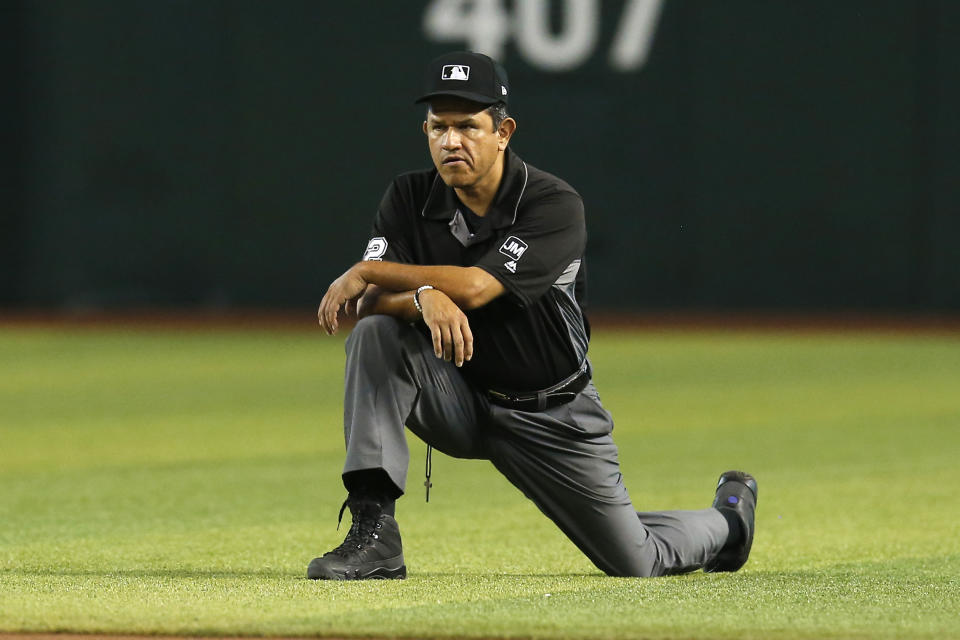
column 548, row 237
column 389, row 238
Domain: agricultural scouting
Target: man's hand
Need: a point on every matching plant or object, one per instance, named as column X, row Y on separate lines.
column 342, row 292
column 452, row 338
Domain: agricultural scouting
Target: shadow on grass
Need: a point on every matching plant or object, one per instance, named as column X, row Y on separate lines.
column 901, row 568
column 152, row 573
column 493, row 575
column 281, row 573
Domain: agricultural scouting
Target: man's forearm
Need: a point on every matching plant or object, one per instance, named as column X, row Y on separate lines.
column 398, row 304
column 468, row 287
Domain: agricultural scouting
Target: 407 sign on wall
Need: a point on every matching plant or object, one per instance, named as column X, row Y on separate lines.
column 488, row 26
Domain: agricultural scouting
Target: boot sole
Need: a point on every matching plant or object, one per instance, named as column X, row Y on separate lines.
column 389, row 569
column 381, row 573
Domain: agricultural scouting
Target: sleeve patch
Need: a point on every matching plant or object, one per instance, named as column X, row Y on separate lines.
column 375, row 249
column 513, row 247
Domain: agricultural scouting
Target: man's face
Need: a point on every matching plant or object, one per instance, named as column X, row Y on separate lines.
column 462, row 141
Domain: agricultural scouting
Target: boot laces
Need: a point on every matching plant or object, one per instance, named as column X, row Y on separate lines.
column 363, row 530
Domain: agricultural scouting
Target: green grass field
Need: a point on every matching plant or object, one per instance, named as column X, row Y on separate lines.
column 178, row 482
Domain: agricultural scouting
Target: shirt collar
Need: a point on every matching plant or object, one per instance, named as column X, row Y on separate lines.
column 442, row 202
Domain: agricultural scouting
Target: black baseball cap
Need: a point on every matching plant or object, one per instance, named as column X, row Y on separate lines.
column 469, row 75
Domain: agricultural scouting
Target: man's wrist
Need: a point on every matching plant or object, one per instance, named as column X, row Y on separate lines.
column 416, row 297
column 362, row 269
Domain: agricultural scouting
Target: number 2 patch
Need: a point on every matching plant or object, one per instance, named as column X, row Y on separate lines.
column 375, row 249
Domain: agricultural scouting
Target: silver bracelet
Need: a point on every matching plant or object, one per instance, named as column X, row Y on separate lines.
column 416, row 297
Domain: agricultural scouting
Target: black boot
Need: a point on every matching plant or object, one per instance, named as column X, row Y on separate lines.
column 736, row 499
column 371, row 550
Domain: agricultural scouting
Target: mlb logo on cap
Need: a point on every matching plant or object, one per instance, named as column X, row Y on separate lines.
column 455, row 72
column 468, row 75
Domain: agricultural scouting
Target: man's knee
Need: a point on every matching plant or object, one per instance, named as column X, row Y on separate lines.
column 375, row 329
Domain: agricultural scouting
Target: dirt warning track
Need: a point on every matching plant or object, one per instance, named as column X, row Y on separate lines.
column 97, row 636
column 305, row 320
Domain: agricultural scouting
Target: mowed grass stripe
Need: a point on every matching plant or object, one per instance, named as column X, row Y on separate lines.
column 178, row 482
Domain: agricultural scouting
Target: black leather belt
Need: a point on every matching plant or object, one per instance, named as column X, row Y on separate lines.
column 560, row 393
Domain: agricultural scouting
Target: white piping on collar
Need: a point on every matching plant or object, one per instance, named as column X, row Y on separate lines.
column 526, row 174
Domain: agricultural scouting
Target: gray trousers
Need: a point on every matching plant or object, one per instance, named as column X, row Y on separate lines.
column 563, row 459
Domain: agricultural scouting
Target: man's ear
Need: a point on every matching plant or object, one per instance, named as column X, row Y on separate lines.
column 424, row 126
column 507, row 127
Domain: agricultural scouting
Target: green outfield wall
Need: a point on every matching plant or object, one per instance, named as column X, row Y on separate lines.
column 732, row 155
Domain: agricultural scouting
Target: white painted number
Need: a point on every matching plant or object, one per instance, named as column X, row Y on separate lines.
column 483, row 24
column 488, row 26
column 565, row 50
column 634, row 38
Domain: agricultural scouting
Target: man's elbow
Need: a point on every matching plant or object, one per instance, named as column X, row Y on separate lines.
column 482, row 288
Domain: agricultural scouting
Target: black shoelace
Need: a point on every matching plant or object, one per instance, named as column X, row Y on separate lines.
column 366, row 521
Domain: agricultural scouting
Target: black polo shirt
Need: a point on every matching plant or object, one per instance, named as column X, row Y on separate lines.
column 531, row 239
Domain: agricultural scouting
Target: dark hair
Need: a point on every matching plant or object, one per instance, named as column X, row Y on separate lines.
column 498, row 112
